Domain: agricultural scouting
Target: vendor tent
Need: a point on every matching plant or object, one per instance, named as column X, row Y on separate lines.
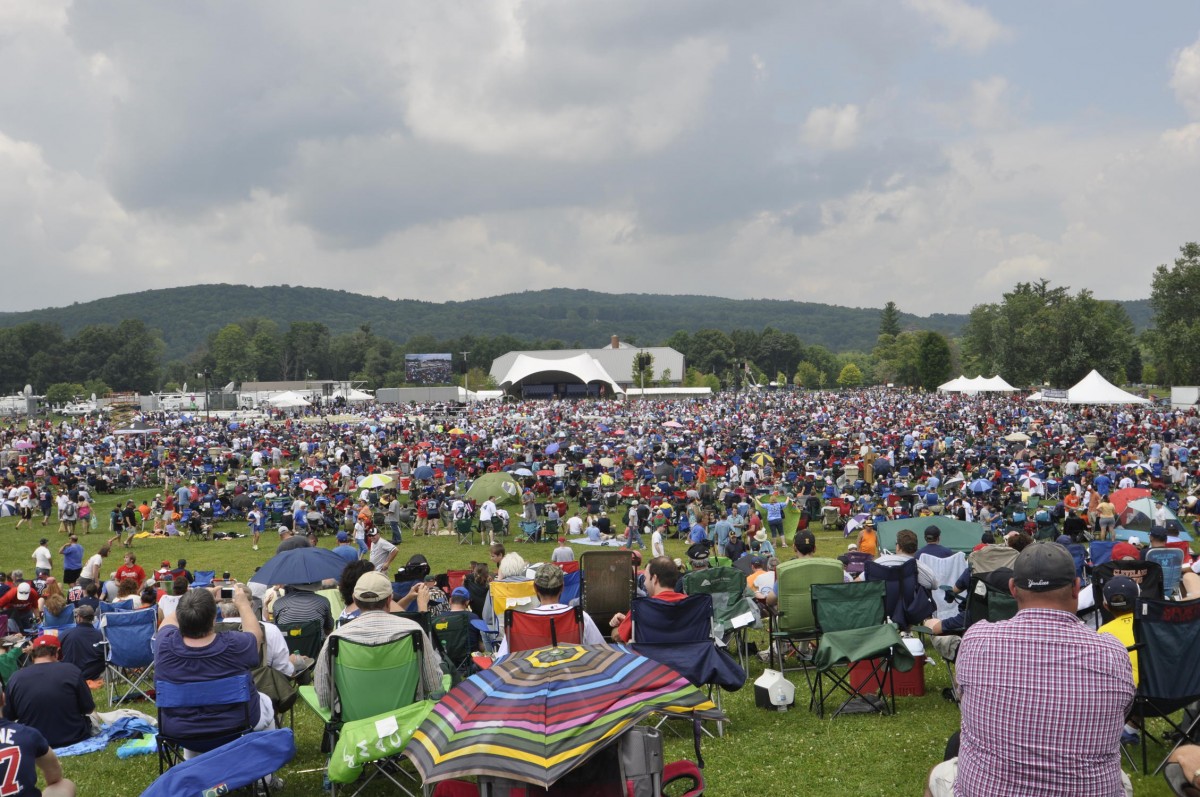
column 997, row 385
column 1095, row 389
column 287, row 400
column 955, row 385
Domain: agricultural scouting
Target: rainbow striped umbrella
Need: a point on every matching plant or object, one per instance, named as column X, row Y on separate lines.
column 538, row 714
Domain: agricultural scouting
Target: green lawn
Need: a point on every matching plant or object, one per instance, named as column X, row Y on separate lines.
column 860, row 755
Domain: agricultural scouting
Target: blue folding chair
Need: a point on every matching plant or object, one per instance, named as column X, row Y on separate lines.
column 232, row 690
column 119, row 606
column 680, row 635
column 1171, row 562
column 63, row 621
column 204, row 578
column 1101, row 551
column 240, row 763
column 128, row 640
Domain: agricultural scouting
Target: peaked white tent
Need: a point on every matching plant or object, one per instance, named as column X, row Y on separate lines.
column 997, row 385
column 287, row 400
column 1095, row 389
column 955, row 385
column 353, row 395
column 582, row 367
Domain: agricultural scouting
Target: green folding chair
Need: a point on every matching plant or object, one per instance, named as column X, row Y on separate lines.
column 732, row 601
column 452, row 635
column 370, row 684
column 857, row 651
column 794, row 627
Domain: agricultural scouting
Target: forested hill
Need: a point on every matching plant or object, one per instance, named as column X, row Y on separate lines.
column 186, row 316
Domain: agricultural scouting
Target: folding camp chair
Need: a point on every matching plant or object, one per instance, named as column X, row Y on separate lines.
column 246, row 761
column 1164, row 634
column 907, row 603
column 232, row 690
column 946, row 570
column 59, row 623
column 795, row 628
column 452, row 635
column 519, row 595
column 528, row 631
column 572, row 582
column 203, row 578
column 128, row 640
column 465, row 528
column 499, row 527
column 1100, row 551
column 679, row 635
column 1147, row 575
column 457, row 578
column 607, row 584
column 530, row 529
column 375, row 687
column 303, row 638
column 850, row 619
column 734, row 608
column 1170, row 560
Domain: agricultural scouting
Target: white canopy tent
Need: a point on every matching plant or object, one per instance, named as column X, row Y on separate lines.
column 1095, row 389
column 955, row 385
column 582, row 367
column 353, row 395
column 977, row 385
column 997, row 385
column 288, row 400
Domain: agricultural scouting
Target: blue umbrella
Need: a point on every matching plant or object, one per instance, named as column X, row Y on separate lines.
column 423, row 473
column 980, row 486
column 300, row 566
column 552, row 448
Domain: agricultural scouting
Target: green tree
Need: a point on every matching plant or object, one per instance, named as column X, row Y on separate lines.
column 850, row 377
column 63, row 392
column 1175, row 339
column 807, row 375
column 643, row 369
column 97, row 388
column 889, row 320
column 778, row 351
column 233, row 356
column 1150, row 374
column 1133, row 368
column 712, row 351
column 934, row 360
column 306, row 350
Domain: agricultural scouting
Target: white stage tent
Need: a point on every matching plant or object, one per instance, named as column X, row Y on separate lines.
column 288, row 400
column 1095, row 389
column 976, row 385
column 580, row 368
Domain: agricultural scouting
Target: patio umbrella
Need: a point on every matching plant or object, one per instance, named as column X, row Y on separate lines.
column 673, row 425
column 545, row 472
column 376, row 480
column 313, row 485
column 300, row 566
column 537, row 715
column 552, row 448
column 762, row 458
column 980, row 486
column 1017, row 437
column 422, row 473
column 1030, row 482
column 954, row 481
column 23, row 445
column 1121, row 498
column 522, row 472
column 456, row 431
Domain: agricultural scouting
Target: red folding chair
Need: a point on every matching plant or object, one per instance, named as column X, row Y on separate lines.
column 527, row 630
column 456, row 578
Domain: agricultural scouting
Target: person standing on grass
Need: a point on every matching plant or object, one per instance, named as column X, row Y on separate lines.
column 487, row 511
column 43, row 562
column 72, row 554
column 91, row 571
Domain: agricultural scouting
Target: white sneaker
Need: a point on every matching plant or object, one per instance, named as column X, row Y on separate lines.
column 255, row 547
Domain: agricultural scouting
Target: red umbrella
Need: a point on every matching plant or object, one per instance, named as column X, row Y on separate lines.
column 544, row 472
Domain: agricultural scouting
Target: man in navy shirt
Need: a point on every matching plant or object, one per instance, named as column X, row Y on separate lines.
column 51, row 696
column 933, row 544
column 24, row 751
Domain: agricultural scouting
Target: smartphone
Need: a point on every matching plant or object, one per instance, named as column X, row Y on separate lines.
column 226, row 593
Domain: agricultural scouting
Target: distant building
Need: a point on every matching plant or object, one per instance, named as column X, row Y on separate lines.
column 565, row 373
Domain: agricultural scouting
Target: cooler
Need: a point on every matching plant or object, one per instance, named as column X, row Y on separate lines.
column 904, row 684
column 773, row 691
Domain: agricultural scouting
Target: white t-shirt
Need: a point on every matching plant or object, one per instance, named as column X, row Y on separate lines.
column 41, row 557
column 656, row 544
column 92, row 568
column 575, row 524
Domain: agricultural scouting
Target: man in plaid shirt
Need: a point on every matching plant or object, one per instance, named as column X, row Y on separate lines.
column 1044, row 697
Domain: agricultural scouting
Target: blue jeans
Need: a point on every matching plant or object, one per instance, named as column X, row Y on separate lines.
column 395, row 531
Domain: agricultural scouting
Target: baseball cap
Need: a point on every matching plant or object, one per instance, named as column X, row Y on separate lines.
column 343, row 536
column 284, row 529
column 698, row 552
column 460, row 593
column 805, row 538
column 1043, row 566
column 932, row 532
column 373, row 586
column 1158, row 532
column 373, row 533
column 548, row 578
column 1121, row 592
column 46, row 641
column 23, row 590
column 562, row 540
column 85, row 612
column 1123, row 550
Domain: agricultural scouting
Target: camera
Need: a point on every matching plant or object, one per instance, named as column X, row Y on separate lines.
column 225, row 575
column 226, row 593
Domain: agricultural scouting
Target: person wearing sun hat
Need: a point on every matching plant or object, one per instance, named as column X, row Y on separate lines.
column 1024, row 733
column 868, row 538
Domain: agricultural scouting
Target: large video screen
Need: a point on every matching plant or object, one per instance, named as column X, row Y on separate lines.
column 427, row 369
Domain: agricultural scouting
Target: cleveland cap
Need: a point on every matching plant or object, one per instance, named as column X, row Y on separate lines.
column 1043, row 566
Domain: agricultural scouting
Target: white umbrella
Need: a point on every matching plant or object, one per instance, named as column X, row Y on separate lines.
column 375, row 480
column 1017, row 437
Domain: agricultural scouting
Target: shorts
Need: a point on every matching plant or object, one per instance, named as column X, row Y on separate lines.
column 1108, row 522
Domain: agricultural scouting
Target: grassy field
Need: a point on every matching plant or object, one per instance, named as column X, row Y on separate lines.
column 859, row 755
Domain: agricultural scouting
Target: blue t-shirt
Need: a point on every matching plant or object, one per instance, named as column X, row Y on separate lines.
column 20, row 747
column 231, row 653
column 348, row 552
column 73, row 557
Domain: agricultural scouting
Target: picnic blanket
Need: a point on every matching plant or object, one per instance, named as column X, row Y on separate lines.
column 125, row 727
column 604, row 543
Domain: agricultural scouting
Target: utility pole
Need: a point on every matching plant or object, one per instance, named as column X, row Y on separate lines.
column 466, row 376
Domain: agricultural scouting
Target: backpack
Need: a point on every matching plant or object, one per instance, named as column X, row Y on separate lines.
column 272, row 683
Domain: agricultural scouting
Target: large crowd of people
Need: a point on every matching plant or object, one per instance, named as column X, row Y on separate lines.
column 745, row 477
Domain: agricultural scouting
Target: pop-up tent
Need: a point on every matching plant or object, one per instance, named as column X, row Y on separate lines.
column 1095, row 389
column 288, row 399
column 957, row 535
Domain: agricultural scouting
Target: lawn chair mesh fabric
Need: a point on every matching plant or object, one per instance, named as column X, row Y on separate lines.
column 906, row 602
column 850, row 618
column 1147, row 575
column 452, row 635
column 232, row 766
column 607, row 584
column 374, row 708
column 1170, row 561
column 128, row 639
column 1165, row 633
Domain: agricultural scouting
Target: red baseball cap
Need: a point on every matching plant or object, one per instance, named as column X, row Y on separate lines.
column 47, row 641
column 1123, row 550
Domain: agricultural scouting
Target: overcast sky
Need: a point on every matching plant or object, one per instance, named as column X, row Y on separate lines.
column 934, row 152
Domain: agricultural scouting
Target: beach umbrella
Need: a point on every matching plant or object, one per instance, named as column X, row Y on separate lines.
column 545, row 472
column 1017, row 437
column 552, row 448
column 954, row 481
column 456, row 431
column 673, row 425
column 762, row 458
column 300, row 566
column 375, row 481
column 422, row 473
column 23, row 445
column 980, row 486
column 1141, row 511
column 313, row 485
column 537, row 715
column 1030, row 482
column 606, row 462
column 136, row 428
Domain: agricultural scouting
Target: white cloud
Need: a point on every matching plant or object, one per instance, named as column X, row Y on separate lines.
column 990, row 103
column 960, row 25
column 835, row 127
column 1185, row 78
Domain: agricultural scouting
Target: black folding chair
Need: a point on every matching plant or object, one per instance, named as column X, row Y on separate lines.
column 1164, row 634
